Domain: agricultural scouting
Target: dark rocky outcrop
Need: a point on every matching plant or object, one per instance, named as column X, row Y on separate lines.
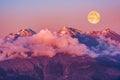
column 61, row 67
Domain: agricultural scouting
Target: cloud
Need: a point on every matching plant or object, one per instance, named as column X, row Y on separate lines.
column 46, row 43
column 107, row 46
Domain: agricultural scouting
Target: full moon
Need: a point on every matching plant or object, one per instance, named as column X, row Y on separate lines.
column 93, row 17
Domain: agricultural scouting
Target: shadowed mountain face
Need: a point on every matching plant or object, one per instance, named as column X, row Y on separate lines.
column 89, row 38
column 82, row 37
column 69, row 54
column 61, row 67
column 107, row 33
column 20, row 33
column 86, row 39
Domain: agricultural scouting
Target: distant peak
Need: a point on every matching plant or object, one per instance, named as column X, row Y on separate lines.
column 107, row 33
column 64, row 30
column 104, row 32
column 11, row 36
column 107, row 29
column 26, row 32
column 69, row 30
column 64, row 27
column 20, row 33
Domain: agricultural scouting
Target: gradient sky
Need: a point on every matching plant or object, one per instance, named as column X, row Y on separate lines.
column 54, row 14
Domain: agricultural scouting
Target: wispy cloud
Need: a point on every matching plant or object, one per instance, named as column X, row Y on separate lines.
column 46, row 43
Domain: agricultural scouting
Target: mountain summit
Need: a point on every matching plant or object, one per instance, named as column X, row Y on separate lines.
column 108, row 33
column 20, row 33
column 26, row 32
column 111, row 34
column 71, row 31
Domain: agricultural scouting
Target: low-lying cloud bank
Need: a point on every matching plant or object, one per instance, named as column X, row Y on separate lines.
column 46, row 43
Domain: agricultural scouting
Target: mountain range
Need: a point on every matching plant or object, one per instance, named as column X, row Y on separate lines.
column 76, row 55
column 20, row 33
column 67, row 30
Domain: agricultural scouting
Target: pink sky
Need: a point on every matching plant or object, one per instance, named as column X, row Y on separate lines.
column 56, row 14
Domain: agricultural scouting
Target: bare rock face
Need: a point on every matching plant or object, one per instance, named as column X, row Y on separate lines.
column 61, row 67
column 82, row 37
column 108, row 33
column 20, row 33
column 70, row 31
column 26, row 32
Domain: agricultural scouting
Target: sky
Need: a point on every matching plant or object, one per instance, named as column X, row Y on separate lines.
column 54, row 14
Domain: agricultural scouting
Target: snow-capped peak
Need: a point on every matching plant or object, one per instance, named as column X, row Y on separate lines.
column 111, row 34
column 71, row 31
column 26, row 32
column 108, row 33
column 20, row 33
